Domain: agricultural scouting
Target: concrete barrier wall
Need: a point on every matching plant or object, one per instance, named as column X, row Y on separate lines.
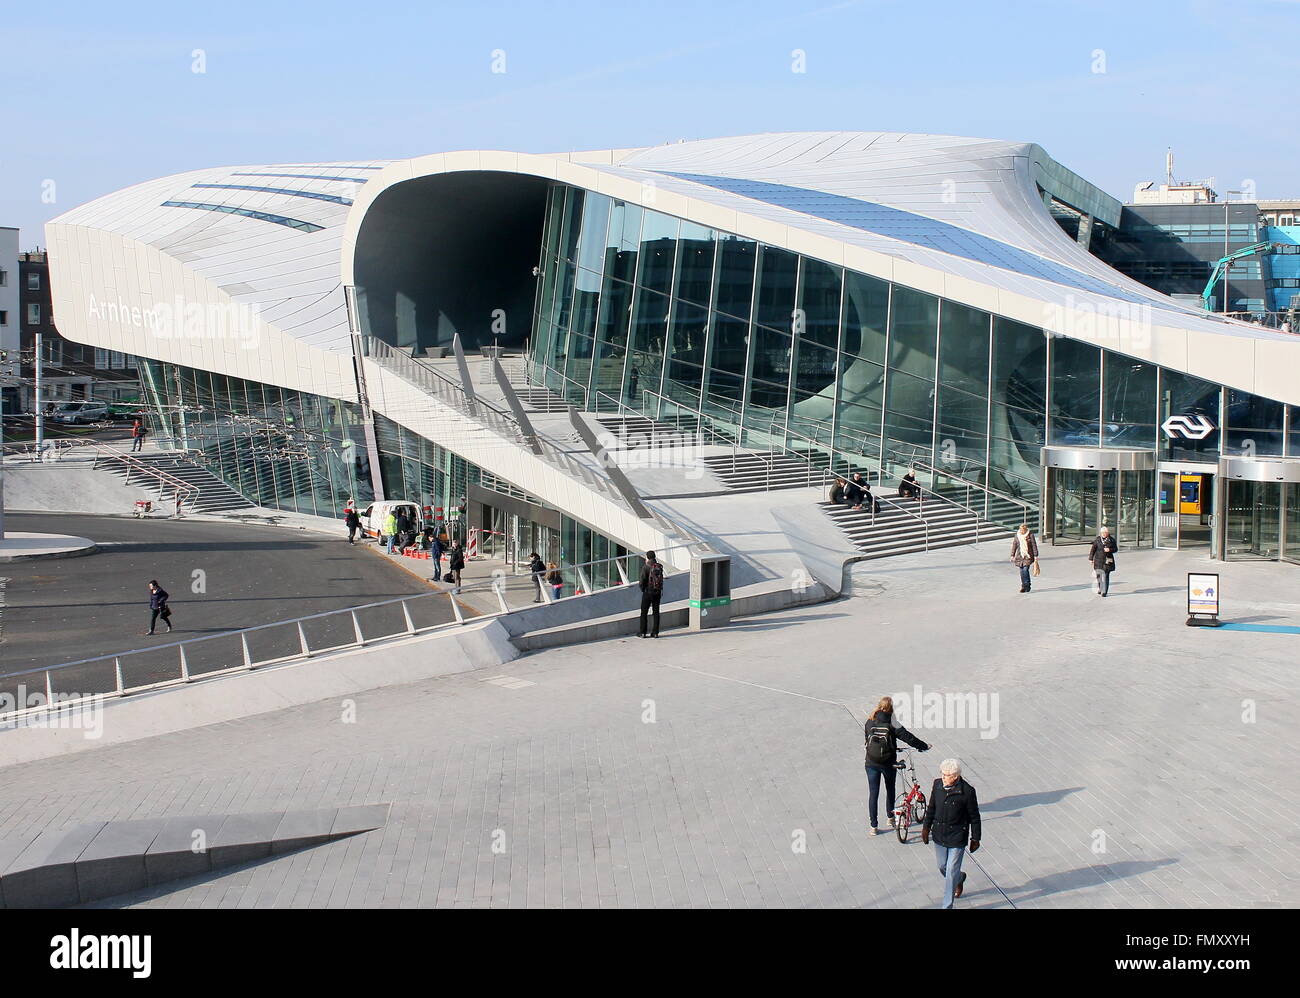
column 479, row 645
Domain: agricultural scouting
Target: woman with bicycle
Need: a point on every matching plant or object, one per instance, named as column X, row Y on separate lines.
column 882, row 732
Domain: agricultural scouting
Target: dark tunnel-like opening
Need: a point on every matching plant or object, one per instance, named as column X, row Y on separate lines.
column 442, row 254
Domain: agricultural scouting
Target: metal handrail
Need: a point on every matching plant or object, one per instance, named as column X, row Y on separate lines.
column 248, row 663
column 178, row 485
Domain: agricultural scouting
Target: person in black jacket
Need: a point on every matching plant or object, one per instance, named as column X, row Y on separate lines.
column 353, row 523
column 158, row 606
column 652, row 591
column 455, row 565
column 881, row 733
column 853, row 492
column 538, row 568
column 907, row 487
column 435, row 556
column 953, row 817
column 1102, row 556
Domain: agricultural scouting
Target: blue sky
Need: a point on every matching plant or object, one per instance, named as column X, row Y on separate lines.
column 99, row 96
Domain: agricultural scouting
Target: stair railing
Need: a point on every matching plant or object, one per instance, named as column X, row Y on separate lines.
column 182, row 491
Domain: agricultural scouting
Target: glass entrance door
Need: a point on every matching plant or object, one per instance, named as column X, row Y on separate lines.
column 1080, row 503
column 1167, row 510
column 1254, row 520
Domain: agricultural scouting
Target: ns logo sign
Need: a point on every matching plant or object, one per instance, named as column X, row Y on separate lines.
column 1194, row 427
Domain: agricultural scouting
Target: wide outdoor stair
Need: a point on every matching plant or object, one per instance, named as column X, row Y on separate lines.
column 537, row 399
column 642, row 431
column 749, row 471
column 904, row 526
column 213, row 495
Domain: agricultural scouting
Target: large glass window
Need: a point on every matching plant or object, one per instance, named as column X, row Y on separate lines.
column 1076, row 393
column 695, row 267
column 1196, row 437
column 909, row 385
column 1017, row 407
column 1254, row 424
column 866, row 316
column 962, row 429
column 778, row 272
column 1129, row 402
column 734, row 290
column 658, row 252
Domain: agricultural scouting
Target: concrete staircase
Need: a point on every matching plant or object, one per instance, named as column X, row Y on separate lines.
column 213, row 495
column 904, row 526
column 761, row 471
column 642, row 431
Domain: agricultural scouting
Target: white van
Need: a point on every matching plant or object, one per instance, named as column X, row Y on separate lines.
column 374, row 515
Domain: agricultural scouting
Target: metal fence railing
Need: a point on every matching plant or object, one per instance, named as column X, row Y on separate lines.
column 179, row 663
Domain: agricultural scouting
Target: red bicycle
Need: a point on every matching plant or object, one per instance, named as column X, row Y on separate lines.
column 911, row 809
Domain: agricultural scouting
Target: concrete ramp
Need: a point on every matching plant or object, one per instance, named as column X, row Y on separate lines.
column 92, row 861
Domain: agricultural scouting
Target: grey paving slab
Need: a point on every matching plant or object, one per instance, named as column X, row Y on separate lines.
column 180, row 849
column 300, row 828
column 44, row 875
column 244, row 837
column 1097, row 789
column 114, row 860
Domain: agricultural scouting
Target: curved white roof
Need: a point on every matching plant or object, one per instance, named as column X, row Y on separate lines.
column 960, row 217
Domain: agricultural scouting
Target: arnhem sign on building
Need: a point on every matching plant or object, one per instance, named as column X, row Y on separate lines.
column 873, row 300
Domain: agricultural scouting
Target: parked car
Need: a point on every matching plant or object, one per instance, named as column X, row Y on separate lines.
column 80, row 412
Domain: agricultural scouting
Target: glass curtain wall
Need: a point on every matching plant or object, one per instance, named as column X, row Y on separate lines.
column 279, row 448
column 638, row 309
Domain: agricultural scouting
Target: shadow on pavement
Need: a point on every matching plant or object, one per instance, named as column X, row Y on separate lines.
column 1019, row 801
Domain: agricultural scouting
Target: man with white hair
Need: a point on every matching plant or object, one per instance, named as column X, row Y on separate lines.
column 954, row 817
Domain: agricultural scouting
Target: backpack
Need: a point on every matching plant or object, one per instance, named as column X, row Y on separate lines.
column 655, row 579
column 880, row 743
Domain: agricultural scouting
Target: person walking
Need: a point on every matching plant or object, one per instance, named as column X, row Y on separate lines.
column 353, row 523
column 953, row 817
column 652, row 591
column 555, row 580
column 403, row 524
column 158, row 606
column 538, row 568
column 1024, row 555
column 1102, row 556
column 137, row 436
column 455, row 565
column 435, row 556
column 881, row 734
column 390, row 530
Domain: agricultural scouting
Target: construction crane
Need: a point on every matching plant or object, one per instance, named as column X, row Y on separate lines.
column 1220, row 270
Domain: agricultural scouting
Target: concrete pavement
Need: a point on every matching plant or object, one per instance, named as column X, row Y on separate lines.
column 1132, row 765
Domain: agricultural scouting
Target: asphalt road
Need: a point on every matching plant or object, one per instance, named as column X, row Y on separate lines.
column 221, row 576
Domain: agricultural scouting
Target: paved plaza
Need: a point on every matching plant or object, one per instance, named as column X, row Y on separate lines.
column 1137, row 762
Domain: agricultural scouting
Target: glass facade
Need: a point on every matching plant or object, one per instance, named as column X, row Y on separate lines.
column 279, row 448
column 636, row 308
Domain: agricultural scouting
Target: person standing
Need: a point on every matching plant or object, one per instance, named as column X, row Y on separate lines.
column 652, row 591
column 435, row 556
column 455, row 565
column 538, row 569
column 953, row 817
column 390, row 530
column 137, row 436
column 1024, row 555
column 555, row 580
column 1102, row 556
column 403, row 524
column 353, row 523
column 881, row 733
column 158, row 606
